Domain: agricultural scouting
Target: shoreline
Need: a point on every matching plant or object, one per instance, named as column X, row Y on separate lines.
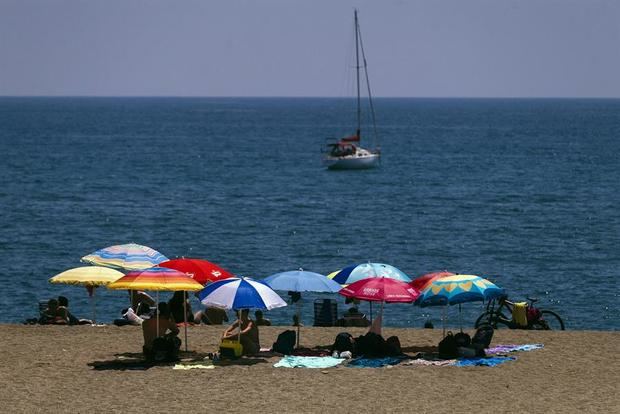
column 83, row 368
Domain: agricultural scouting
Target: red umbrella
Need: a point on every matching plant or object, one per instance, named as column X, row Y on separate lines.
column 200, row 270
column 421, row 282
column 381, row 289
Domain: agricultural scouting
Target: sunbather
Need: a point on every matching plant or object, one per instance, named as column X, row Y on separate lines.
column 177, row 308
column 260, row 320
column 249, row 333
column 164, row 326
column 54, row 315
column 211, row 316
column 63, row 303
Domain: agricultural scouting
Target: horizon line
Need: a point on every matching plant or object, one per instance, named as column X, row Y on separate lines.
column 308, row 97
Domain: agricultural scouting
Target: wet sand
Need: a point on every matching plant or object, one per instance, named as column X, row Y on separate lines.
column 98, row 369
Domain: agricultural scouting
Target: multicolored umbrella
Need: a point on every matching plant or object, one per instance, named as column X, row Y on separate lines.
column 158, row 279
column 452, row 290
column 89, row 276
column 458, row 289
column 301, row 281
column 353, row 273
column 419, row 283
column 126, row 257
column 202, row 271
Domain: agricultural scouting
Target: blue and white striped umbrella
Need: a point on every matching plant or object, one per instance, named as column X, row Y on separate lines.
column 353, row 273
column 240, row 293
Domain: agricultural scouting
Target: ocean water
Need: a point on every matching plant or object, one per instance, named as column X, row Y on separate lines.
column 522, row 192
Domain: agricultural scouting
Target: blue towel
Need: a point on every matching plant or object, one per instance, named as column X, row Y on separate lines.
column 307, row 362
column 487, row 362
column 374, row 362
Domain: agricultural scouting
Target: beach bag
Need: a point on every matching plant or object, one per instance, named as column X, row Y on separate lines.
column 285, row 344
column 448, row 347
column 533, row 314
column 370, row 345
column 519, row 314
column 165, row 348
column 343, row 342
column 482, row 337
column 230, row 348
column 462, row 339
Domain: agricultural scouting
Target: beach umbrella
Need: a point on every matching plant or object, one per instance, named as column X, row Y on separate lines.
column 355, row 272
column 125, row 257
column 458, row 289
column 423, row 281
column 90, row 277
column 240, row 293
column 202, row 271
column 301, row 281
column 158, row 279
column 381, row 289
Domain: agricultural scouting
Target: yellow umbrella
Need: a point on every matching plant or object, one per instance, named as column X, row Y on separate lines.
column 89, row 276
column 158, row 278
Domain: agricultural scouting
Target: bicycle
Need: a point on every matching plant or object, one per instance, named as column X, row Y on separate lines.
column 541, row 319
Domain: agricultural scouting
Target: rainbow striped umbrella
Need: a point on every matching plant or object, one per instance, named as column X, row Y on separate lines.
column 157, row 278
column 126, row 257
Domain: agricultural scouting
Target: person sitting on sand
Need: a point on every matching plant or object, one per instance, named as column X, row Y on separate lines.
column 166, row 328
column 63, row 303
column 249, row 333
column 370, row 345
column 54, row 315
column 260, row 320
column 137, row 297
column 177, row 308
column 211, row 316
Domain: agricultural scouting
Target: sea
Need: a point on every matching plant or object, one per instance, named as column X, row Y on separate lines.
column 523, row 192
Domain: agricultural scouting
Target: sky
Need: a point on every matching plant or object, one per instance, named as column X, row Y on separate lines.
column 414, row 48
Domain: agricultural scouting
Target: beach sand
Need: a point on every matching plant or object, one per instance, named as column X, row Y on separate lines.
column 94, row 369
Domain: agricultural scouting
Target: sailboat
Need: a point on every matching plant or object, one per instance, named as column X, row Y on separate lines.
column 346, row 153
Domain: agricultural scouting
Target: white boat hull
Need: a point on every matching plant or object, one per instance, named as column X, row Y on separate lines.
column 353, row 162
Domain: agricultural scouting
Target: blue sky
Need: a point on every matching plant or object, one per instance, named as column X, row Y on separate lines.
column 429, row 48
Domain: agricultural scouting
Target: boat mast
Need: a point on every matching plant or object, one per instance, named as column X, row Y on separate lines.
column 357, row 73
column 372, row 107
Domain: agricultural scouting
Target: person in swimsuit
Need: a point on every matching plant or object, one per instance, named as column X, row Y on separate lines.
column 249, row 333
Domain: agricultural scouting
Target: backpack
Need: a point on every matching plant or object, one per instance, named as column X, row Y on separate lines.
column 343, row 342
column 448, row 346
column 533, row 314
column 285, row 344
column 462, row 339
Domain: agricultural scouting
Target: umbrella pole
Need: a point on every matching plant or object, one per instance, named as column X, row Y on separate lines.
column 239, row 325
column 298, row 323
column 185, row 316
column 443, row 320
column 94, row 302
column 157, row 313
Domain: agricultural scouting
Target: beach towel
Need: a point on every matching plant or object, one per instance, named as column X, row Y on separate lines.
column 430, row 362
column 486, row 362
column 307, row 362
column 503, row 349
column 193, row 366
column 375, row 362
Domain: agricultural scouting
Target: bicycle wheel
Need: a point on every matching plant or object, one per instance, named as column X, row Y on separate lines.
column 495, row 319
column 549, row 320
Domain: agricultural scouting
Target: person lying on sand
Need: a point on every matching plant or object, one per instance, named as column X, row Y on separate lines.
column 167, row 329
column 249, row 333
column 63, row 303
column 54, row 314
column 211, row 316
